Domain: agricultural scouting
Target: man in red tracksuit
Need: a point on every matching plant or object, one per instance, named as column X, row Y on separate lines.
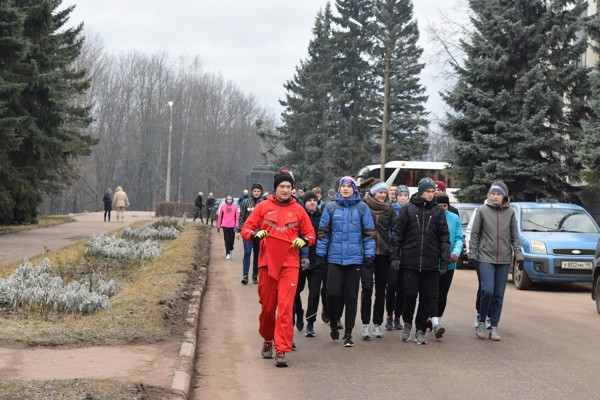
column 282, row 226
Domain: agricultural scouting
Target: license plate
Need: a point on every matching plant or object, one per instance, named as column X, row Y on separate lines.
column 576, row 265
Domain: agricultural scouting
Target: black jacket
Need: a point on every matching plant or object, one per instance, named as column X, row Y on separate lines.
column 198, row 202
column 420, row 239
column 315, row 218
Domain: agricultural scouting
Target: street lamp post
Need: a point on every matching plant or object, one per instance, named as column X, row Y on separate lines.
column 386, row 95
column 168, row 189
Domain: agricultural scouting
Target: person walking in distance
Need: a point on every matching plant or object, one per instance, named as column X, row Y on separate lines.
column 120, row 201
column 346, row 245
column 250, row 247
column 198, row 207
column 420, row 245
column 228, row 220
column 283, row 227
column 210, row 205
column 107, row 199
column 384, row 217
column 493, row 244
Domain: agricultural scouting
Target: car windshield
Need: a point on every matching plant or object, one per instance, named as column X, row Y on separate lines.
column 465, row 215
column 557, row 220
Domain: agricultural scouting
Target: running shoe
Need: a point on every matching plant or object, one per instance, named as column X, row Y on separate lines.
column 310, row 330
column 267, row 350
column 348, row 340
column 406, row 332
column 389, row 324
column 494, row 335
column 366, row 335
column 280, row 360
column 245, row 280
column 377, row 331
column 420, row 337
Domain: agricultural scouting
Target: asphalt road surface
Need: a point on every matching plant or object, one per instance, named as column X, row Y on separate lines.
column 550, row 349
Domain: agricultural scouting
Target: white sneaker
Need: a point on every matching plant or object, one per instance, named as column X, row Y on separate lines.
column 377, row 331
column 228, row 256
column 365, row 332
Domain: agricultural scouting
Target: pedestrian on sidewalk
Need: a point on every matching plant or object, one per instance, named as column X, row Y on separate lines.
column 346, row 245
column 282, row 227
column 493, row 244
column 210, row 205
column 384, row 217
column 420, row 242
column 198, row 207
column 250, row 247
column 107, row 199
column 228, row 220
column 120, row 201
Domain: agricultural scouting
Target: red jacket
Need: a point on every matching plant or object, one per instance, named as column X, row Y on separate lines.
column 284, row 222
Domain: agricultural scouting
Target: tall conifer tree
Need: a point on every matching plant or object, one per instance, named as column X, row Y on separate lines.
column 518, row 103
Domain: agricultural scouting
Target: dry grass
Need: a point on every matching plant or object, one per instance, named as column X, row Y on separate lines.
column 144, row 310
column 44, row 221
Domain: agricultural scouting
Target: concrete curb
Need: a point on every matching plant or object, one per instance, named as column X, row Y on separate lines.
column 184, row 371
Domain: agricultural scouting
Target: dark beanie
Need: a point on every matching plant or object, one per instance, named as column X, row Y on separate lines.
column 442, row 198
column 309, row 195
column 283, row 176
column 426, row 184
column 257, row 186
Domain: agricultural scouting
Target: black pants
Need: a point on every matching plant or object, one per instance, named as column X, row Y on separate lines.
column 422, row 284
column 380, row 270
column 342, row 290
column 107, row 212
column 314, row 277
column 229, row 237
column 445, row 282
column 394, row 296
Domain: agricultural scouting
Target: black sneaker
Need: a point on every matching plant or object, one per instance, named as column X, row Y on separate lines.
column 348, row 340
column 267, row 350
column 280, row 360
column 300, row 320
column 293, row 346
column 334, row 334
column 245, row 280
column 310, row 330
column 254, row 280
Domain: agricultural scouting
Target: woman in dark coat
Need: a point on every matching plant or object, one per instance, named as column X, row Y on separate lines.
column 107, row 199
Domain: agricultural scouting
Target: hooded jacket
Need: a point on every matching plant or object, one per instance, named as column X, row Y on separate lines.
column 420, row 239
column 495, row 235
column 346, row 231
column 384, row 217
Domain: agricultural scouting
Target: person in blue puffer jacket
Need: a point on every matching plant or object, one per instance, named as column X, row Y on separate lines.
column 346, row 244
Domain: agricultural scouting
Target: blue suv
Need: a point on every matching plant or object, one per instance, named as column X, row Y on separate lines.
column 558, row 242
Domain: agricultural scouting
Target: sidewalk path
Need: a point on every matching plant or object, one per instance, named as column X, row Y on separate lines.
column 15, row 247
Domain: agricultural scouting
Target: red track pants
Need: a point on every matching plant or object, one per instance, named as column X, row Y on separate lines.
column 277, row 300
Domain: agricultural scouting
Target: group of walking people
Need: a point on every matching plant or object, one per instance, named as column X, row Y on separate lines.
column 120, row 201
column 371, row 238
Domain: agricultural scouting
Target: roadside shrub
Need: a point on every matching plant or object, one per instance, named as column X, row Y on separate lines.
column 114, row 247
column 35, row 288
column 141, row 234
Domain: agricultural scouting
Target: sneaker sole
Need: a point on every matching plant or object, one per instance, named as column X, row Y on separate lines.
column 309, row 335
column 348, row 345
column 281, row 364
column 440, row 332
column 420, row 343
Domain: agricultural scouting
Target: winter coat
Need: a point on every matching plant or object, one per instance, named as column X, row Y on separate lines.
column 198, row 202
column 456, row 235
column 384, row 217
column 346, row 232
column 315, row 219
column 494, row 235
column 246, row 208
column 210, row 202
column 107, row 199
column 120, row 199
column 420, row 239
column 285, row 221
column 228, row 216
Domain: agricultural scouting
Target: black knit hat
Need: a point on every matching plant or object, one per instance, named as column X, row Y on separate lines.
column 310, row 195
column 283, row 176
column 442, row 198
column 257, row 186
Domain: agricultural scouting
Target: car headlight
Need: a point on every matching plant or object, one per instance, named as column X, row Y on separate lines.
column 538, row 247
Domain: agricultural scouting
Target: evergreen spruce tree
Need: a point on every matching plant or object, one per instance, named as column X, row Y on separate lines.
column 407, row 118
column 588, row 152
column 50, row 131
column 519, row 100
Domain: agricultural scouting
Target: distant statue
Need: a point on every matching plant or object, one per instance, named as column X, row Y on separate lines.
column 268, row 141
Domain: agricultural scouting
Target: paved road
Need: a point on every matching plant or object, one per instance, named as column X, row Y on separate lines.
column 28, row 244
column 549, row 349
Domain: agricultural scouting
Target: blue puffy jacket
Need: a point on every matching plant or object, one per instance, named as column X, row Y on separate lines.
column 346, row 232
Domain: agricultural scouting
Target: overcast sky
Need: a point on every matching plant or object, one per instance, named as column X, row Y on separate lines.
column 256, row 44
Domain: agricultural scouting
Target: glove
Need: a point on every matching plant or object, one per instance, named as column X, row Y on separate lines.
column 472, row 264
column 299, row 242
column 260, row 235
column 321, row 262
column 520, row 264
column 395, row 265
column 368, row 263
column 304, row 263
column 218, row 230
column 454, row 257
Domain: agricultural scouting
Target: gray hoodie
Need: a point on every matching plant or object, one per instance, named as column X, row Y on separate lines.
column 495, row 236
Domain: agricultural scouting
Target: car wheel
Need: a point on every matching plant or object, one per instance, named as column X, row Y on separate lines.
column 521, row 279
column 597, row 292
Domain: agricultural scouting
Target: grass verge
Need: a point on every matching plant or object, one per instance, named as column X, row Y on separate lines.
column 44, row 221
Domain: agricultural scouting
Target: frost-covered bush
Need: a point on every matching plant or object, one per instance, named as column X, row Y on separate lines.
column 160, row 233
column 177, row 223
column 34, row 287
column 114, row 247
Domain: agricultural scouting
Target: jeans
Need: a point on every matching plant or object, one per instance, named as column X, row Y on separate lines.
column 249, row 247
column 493, row 278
